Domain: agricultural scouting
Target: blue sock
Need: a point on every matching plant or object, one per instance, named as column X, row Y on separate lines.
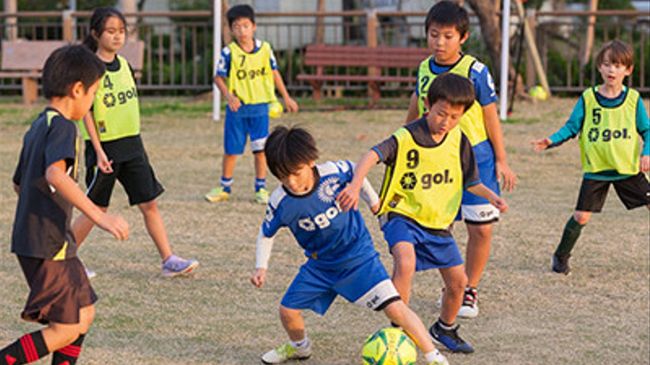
column 260, row 184
column 226, row 183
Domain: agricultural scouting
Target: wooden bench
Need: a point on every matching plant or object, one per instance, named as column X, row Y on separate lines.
column 375, row 62
column 25, row 59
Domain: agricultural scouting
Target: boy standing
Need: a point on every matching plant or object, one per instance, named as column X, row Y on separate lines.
column 341, row 257
column 609, row 118
column 447, row 28
column 429, row 164
column 246, row 75
column 60, row 294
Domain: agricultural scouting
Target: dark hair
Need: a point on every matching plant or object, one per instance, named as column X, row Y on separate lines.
column 98, row 24
column 288, row 148
column 68, row 65
column 448, row 13
column 616, row 52
column 452, row 88
column 240, row 11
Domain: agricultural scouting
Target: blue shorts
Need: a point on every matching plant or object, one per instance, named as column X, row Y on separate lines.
column 249, row 120
column 366, row 284
column 475, row 209
column 431, row 251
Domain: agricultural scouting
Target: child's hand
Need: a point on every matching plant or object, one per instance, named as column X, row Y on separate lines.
column 291, row 105
column 115, row 225
column 233, row 102
column 103, row 163
column 500, row 204
column 645, row 163
column 259, row 277
column 507, row 176
column 540, row 145
column 348, row 198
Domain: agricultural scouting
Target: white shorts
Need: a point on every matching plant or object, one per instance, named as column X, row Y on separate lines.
column 479, row 214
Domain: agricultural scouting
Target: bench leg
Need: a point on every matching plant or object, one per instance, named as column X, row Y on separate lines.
column 316, row 90
column 373, row 92
column 30, row 90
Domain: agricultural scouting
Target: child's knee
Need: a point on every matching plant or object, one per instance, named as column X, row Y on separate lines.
column 86, row 318
column 457, row 285
column 148, row 207
column 396, row 311
column 404, row 258
column 581, row 217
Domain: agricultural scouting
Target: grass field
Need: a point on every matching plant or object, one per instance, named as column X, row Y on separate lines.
column 598, row 315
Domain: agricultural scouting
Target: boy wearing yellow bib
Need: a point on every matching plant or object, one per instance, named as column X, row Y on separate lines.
column 609, row 120
column 429, row 164
column 247, row 75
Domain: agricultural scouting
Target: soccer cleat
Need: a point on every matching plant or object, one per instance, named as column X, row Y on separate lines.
column 262, row 196
column 439, row 360
column 287, row 352
column 560, row 264
column 217, row 195
column 175, row 266
column 450, row 339
column 469, row 309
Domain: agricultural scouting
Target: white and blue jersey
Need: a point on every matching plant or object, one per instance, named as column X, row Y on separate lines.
column 341, row 257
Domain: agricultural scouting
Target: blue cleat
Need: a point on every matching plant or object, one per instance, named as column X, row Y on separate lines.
column 449, row 339
column 175, row 266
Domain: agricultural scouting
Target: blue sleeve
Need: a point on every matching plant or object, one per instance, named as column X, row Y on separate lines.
column 61, row 142
column 643, row 126
column 572, row 126
column 273, row 220
column 274, row 62
column 483, row 84
column 417, row 82
column 223, row 68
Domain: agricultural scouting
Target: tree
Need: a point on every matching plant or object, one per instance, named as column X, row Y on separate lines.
column 486, row 12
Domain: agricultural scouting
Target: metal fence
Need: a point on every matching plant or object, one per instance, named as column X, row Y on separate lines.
column 179, row 58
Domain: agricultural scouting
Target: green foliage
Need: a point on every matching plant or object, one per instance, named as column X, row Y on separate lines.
column 190, row 4
column 51, row 5
column 610, row 4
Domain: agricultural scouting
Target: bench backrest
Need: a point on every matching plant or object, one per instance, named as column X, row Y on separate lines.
column 399, row 57
column 24, row 55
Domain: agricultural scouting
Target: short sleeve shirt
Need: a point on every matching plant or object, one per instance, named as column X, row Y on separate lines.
column 42, row 221
column 223, row 67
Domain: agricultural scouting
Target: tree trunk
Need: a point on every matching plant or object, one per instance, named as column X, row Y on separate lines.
column 490, row 31
column 320, row 22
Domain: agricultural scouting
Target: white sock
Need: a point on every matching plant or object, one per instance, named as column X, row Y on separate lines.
column 433, row 356
column 300, row 343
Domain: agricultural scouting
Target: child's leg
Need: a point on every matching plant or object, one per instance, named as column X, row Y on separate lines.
column 293, row 323
column 260, row 170
column 82, row 226
column 455, row 282
column 572, row 231
column 399, row 313
column 478, row 251
column 403, row 268
column 228, row 169
column 70, row 353
column 156, row 228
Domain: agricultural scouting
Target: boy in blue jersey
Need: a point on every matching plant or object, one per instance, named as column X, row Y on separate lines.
column 447, row 29
column 429, row 162
column 247, row 75
column 609, row 119
column 341, row 257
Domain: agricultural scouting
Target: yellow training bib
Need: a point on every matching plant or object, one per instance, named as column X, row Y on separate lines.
column 609, row 139
column 425, row 183
column 472, row 122
column 251, row 76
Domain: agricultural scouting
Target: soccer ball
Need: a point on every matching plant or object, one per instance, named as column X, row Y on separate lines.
column 389, row 346
column 275, row 110
column 538, row 93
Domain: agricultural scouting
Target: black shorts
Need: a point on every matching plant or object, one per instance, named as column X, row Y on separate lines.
column 634, row 192
column 57, row 290
column 136, row 176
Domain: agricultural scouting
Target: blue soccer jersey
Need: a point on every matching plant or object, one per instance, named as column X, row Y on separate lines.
column 331, row 237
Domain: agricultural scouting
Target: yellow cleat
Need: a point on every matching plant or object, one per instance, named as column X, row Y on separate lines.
column 217, row 195
column 262, row 196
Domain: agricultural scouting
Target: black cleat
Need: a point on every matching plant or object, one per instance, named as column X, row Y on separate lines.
column 561, row 264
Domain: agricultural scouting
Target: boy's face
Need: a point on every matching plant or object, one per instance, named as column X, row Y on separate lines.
column 113, row 36
column 83, row 98
column 243, row 29
column 443, row 117
column 300, row 181
column 445, row 42
column 613, row 73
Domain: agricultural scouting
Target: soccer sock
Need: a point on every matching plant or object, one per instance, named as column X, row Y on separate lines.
column 226, row 183
column 569, row 237
column 26, row 349
column 301, row 343
column 445, row 326
column 69, row 354
column 433, row 356
column 260, row 184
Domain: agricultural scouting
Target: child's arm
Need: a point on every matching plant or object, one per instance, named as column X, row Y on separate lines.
column 369, row 195
column 233, row 101
column 570, row 129
column 495, row 135
column 291, row 104
column 482, row 191
column 348, row 198
column 103, row 163
column 69, row 190
column 412, row 113
column 263, row 249
column 643, row 128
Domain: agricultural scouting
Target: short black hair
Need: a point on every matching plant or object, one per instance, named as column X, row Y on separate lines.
column 68, row 65
column 448, row 13
column 287, row 148
column 240, row 11
column 452, row 88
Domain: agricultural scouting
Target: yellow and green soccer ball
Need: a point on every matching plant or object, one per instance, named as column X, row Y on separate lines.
column 538, row 93
column 275, row 110
column 389, row 346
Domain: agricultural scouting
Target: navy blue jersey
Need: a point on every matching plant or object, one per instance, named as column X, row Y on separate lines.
column 330, row 237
